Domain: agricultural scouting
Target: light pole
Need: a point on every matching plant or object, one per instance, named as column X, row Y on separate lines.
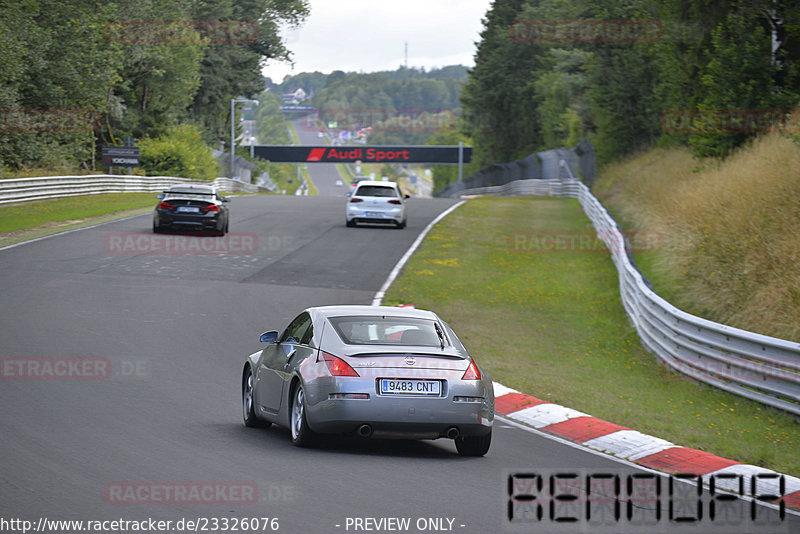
column 234, row 101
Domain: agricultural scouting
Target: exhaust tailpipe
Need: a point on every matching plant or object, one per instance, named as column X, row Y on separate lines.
column 452, row 433
column 365, row 431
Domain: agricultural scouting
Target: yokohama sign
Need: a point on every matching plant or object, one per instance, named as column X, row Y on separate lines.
column 364, row 154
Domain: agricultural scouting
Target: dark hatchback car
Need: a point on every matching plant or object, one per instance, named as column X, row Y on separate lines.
column 192, row 207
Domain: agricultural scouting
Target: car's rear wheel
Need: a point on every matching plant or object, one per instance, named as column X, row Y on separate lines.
column 248, row 402
column 156, row 228
column 401, row 225
column 473, row 445
column 302, row 436
column 350, row 224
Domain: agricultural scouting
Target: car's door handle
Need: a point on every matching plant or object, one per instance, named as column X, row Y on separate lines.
column 291, row 353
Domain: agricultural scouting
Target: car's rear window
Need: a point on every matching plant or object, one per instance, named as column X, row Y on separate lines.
column 387, row 331
column 376, row 191
column 191, row 195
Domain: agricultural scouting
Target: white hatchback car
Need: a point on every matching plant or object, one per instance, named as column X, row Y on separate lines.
column 377, row 202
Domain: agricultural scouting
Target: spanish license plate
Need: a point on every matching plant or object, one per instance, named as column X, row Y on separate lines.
column 188, row 209
column 394, row 386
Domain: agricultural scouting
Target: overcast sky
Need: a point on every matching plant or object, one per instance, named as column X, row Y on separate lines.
column 370, row 35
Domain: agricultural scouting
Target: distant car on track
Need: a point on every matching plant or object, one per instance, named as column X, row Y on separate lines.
column 377, row 202
column 372, row 371
column 192, row 207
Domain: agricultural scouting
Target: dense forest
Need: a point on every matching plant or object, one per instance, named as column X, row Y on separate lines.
column 78, row 74
column 631, row 74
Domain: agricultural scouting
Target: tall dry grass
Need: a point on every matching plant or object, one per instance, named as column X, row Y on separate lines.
column 731, row 229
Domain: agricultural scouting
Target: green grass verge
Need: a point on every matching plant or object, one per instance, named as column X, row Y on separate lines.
column 551, row 324
column 44, row 217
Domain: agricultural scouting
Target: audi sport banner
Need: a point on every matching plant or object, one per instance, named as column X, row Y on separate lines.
column 364, row 154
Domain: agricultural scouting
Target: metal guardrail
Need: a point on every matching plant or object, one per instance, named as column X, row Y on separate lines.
column 759, row 367
column 25, row 189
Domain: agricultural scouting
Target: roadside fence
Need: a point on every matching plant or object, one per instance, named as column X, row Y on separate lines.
column 755, row 366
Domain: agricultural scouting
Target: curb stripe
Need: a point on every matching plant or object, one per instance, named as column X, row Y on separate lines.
column 514, row 402
column 545, row 414
column 685, row 460
column 648, row 451
column 629, row 444
column 581, row 429
column 793, row 499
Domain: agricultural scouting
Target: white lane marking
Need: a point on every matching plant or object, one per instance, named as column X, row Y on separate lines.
column 65, row 232
column 376, row 301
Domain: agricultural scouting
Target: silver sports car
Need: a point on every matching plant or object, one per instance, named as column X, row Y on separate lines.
column 371, row 371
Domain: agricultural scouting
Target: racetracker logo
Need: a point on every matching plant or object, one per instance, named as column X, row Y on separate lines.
column 586, row 31
column 131, row 243
column 365, row 121
column 587, row 242
column 49, row 120
column 181, row 493
column 181, row 32
column 717, row 121
column 76, row 368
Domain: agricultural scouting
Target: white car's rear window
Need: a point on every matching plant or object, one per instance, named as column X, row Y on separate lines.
column 376, row 191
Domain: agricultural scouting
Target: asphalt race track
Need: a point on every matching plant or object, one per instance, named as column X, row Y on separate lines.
column 165, row 335
column 324, row 175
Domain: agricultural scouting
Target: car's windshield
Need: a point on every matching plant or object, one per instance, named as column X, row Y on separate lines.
column 376, row 191
column 387, row 331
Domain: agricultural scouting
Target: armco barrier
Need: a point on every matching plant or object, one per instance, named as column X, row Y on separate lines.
column 761, row 368
column 24, row 189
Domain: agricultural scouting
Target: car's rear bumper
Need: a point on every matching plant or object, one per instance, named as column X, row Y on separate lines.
column 400, row 416
column 168, row 221
column 372, row 220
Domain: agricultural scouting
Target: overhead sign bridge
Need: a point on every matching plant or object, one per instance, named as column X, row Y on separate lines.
column 364, row 154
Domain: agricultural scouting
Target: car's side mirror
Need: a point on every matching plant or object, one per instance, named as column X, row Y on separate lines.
column 349, row 194
column 160, row 196
column 406, row 196
column 269, row 337
column 225, row 199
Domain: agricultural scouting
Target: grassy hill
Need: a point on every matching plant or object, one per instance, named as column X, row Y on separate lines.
column 728, row 232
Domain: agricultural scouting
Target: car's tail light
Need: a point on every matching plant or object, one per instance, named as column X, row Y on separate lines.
column 354, row 200
column 472, row 372
column 394, row 201
column 337, row 366
column 166, row 206
column 211, row 207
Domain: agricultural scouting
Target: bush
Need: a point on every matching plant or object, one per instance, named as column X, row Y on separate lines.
column 181, row 152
